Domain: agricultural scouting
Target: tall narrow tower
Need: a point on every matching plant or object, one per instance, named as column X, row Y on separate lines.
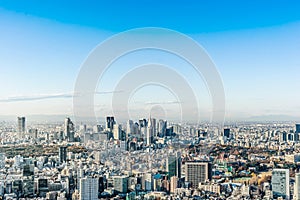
column 21, row 126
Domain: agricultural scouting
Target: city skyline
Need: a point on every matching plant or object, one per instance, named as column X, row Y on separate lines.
column 42, row 54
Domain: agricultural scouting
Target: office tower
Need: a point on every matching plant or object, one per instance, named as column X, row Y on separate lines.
column 283, row 137
column 121, row 184
column 147, row 182
column 88, row 188
column 21, row 126
column 62, row 154
column 80, row 174
column 173, row 165
column 28, row 180
column 197, row 172
column 296, row 137
column 42, row 187
column 297, row 187
column 226, row 132
column 149, row 134
column 281, row 183
column 177, row 129
column 35, row 134
column 110, row 121
column 69, row 130
column 297, row 128
column 117, row 131
column 162, row 128
column 154, row 127
column 142, row 123
column 174, row 184
column 101, row 184
column 129, row 128
column 2, row 160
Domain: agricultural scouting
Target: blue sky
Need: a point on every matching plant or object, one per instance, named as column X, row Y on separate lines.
column 255, row 46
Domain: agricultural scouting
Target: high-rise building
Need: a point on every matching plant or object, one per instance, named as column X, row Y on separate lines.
column 42, row 187
column 297, row 187
column 147, row 182
column 174, row 184
column 162, row 127
column 69, row 130
column 28, row 180
column 197, row 172
column 177, row 129
column 21, row 126
column 226, row 132
column 296, row 136
column 121, row 184
column 173, row 165
column 62, row 154
column 117, row 131
column 143, row 123
column 283, row 136
column 129, row 128
column 149, row 134
column 154, row 127
column 88, row 188
column 281, row 183
column 297, row 128
column 110, row 121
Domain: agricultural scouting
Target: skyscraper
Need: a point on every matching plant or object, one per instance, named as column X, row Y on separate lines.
column 149, row 134
column 197, row 172
column 21, row 126
column 121, row 184
column 88, row 188
column 281, row 183
column 297, row 128
column 69, row 130
column 173, row 165
column 62, row 154
column 28, row 180
column 297, row 187
column 174, row 184
column 129, row 127
column 117, row 131
column 226, row 132
column 110, row 121
column 147, row 182
column 162, row 127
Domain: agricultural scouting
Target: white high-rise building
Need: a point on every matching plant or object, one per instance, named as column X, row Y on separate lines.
column 88, row 188
column 147, row 182
column 297, row 187
column 281, row 183
column 173, row 184
column 129, row 128
column 149, row 134
column 117, row 129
